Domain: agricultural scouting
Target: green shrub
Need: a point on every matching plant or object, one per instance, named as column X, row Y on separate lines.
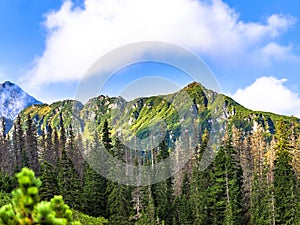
column 88, row 220
column 26, row 209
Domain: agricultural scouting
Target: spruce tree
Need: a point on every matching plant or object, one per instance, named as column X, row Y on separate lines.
column 185, row 211
column 94, row 190
column 234, row 180
column 56, row 147
column 31, row 145
column 118, row 203
column 6, row 161
column 261, row 208
column 217, row 190
column 118, row 195
column 50, row 153
column 106, row 137
column 49, row 187
column 226, row 189
column 21, row 159
column 163, row 191
column 74, row 148
column 69, row 182
column 200, row 197
column 62, row 137
column 284, row 179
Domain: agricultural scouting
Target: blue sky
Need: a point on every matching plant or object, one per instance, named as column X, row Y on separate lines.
column 252, row 47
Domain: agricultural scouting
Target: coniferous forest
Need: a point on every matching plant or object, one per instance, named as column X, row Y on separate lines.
column 253, row 179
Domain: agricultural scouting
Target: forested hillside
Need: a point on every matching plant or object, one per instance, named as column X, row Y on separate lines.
column 253, row 177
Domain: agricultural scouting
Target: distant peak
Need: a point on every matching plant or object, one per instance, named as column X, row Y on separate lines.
column 194, row 85
column 8, row 83
column 13, row 100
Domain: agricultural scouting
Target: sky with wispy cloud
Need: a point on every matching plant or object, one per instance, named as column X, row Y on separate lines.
column 252, row 47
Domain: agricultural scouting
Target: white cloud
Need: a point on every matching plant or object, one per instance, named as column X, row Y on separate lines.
column 77, row 37
column 269, row 94
column 275, row 52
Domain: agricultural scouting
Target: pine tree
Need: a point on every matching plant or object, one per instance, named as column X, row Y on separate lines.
column 163, row 191
column 6, row 160
column 217, row 190
column 234, row 180
column 200, row 197
column 284, row 178
column 62, row 137
column 74, row 148
column 185, row 215
column 50, row 153
column 56, row 147
column 21, row 159
column 31, row 145
column 94, row 190
column 118, row 195
column 118, row 202
column 49, row 187
column 261, row 201
column 106, row 138
column 69, row 182
column 226, row 206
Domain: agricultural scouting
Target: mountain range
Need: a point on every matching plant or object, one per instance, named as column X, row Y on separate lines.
column 209, row 110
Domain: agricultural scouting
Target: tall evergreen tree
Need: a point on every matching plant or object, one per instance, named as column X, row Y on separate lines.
column 118, row 203
column 118, row 196
column 69, row 182
column 106, row 137
column 31, row 145
column 184, row 206
column 5, row 153
column 226, row 208
column 68, row 178
column 62, row 137
column 200, row 197
column 284, row 179
column 50, row 153
column 56, row 147
column 74, row 148
column 261, row 201
column 94, row 190
column 163, row 191
column 19, row 145
column 49, row 187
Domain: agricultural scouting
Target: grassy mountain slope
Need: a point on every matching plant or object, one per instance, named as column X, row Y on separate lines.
column 135, row 117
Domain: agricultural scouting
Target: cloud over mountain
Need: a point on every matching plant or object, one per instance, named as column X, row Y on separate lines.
column 269, row 94
column 78, row 36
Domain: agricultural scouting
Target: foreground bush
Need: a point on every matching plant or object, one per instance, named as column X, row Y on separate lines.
column 26, row 208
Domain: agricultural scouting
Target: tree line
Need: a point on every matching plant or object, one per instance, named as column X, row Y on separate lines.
column 253, row 179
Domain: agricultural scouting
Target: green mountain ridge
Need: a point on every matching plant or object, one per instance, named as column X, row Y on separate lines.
column 136, row 115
